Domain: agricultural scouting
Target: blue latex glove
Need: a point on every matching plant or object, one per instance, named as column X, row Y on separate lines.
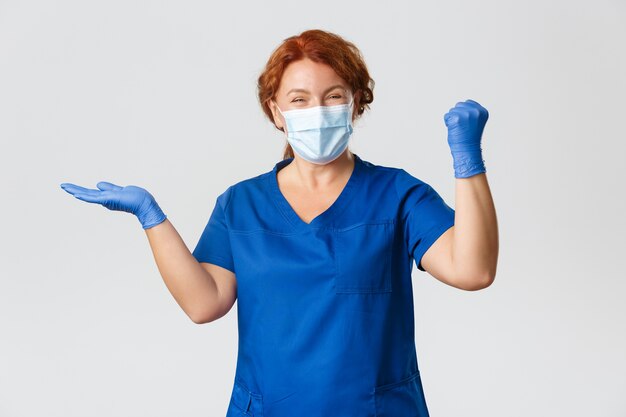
column 130, row 199
column 466, row 122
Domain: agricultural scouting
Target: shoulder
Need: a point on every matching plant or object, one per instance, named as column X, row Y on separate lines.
column 246, row 189
column 378, row 171
column 396, row 178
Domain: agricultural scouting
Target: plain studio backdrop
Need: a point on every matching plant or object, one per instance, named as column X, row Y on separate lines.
column 163, row 95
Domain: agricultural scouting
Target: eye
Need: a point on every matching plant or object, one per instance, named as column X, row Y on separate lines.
column 335, row 96
column 296, row 99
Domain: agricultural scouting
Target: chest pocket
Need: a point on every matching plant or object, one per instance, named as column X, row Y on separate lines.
column 363, row 258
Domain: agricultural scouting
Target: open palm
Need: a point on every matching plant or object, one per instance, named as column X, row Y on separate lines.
column 131, row 199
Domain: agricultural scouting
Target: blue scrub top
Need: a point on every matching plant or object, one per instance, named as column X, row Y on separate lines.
column 325, row 309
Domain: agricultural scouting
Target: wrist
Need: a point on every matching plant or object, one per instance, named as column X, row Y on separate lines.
column 152, row 216
column 467, row 164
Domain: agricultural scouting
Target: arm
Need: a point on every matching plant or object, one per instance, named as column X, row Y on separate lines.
column 204, row 291
column 466, row 255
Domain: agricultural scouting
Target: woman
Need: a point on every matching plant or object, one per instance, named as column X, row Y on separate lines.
column 319, row 250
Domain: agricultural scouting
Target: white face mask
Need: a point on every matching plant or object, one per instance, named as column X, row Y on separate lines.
column 319, row 134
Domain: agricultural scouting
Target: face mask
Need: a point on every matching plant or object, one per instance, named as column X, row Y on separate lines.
column 319, row 134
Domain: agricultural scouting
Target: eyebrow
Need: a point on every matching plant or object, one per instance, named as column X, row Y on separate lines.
column 302, row 90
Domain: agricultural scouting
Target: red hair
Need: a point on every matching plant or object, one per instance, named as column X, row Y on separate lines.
column 322, row 47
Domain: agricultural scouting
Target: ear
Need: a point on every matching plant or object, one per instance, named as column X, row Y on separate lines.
column 356, row 103
column 278, row 118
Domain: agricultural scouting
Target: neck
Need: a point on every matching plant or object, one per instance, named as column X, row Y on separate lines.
column 313, row 176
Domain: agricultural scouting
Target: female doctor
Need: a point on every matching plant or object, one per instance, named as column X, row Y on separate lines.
column 319, row 250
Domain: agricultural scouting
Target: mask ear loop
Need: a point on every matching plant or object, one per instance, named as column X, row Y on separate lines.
column 351, row 108
column 284, row 129
column 276, row 104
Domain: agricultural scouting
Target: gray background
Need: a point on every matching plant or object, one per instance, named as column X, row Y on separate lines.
column 162, row 95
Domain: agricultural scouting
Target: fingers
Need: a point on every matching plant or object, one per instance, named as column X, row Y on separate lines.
column 72, row 189
column 107, row 186
column 92, row 193
column 102, row 186
column 85, row 194
column 483, row 113
column 469, row 101
column 462, row 107
column 470, row 104
column 451, row 116
column 89, row 198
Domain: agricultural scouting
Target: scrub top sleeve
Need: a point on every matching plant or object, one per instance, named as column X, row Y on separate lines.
column 425, row 215
column 214, row 244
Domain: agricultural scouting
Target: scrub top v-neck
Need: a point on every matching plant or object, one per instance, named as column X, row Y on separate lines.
column 335, row 208
column 325, row 309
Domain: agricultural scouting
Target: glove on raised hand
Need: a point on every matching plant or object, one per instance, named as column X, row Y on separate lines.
column 130, row 199
column 466, row 122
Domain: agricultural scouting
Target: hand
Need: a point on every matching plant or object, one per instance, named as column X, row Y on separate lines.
column 130, row 199
column 466, row 122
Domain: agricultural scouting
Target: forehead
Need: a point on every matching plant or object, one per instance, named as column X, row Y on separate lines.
column 309, row 75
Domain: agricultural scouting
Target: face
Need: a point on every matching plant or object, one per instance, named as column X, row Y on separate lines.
column 308, row 84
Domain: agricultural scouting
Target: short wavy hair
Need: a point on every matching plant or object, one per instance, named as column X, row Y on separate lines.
column 322, row 47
